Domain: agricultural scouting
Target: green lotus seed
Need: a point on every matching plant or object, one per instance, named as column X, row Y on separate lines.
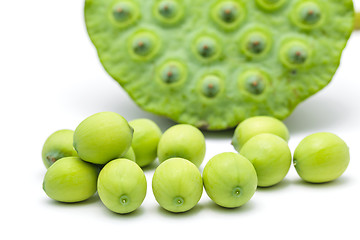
column 177, row 185
column 207, row 48
column 144, row 45
column 124, row 13
column 145, row 140
column 211, row 86
column 257, row 125
column 270, row 4
column 102, row 137
column 294, row 54
column 70, row 180
column 310, row 13
column 122, row 186
column 169, row 11
column 255, row 84
column 229, row 179
column 58, row 145
column 172, row 73
column 228, row 14
column 321, row 157
column 255, row 42
column 307, row 15
column 270, row 156
column 182, row 141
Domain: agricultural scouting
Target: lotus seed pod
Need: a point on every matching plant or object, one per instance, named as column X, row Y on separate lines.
column 159, row 51
column 122, row 186
column 102, row 137
column 58, row 145
column 70, row 180
column 257, row 125
column 182, row 141
column 229, row 179
column 177, row 185
column 145, row 140
column 321, row 157
column 270, row 156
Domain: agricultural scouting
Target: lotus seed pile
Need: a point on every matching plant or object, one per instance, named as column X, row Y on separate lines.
column 215, row 63
column 230, row 179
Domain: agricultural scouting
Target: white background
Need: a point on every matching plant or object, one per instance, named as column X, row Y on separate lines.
column 51, row 79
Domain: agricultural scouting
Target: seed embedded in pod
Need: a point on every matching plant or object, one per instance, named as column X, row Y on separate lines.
column 144, row 45
column 211, row 86
column 172, row 73
column 307, row 15
column 256, row 42
column 124, row 13
column 168, row 11
column 294, row 54
column 228, row 14
column 270, row 5
column 297, row 54
column 207, row 48
column 254, row 82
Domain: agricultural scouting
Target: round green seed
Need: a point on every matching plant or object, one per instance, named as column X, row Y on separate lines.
column 270, row 156
column 102, row 137
column 321, row 157
column 122, row 186
column 70, row 180
column 177, row 185
column 182, row 141
column 145, row 140
column 58, row 145
column 229, row 179
column 257, row 125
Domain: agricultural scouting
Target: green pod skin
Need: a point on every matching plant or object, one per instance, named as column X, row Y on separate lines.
column 122, row 186
column 321, row 157
column 70, row 180
column 229, row 179
column 145, row 140
column 102, row 137
column 177, row 185
column 256, row 125
column 58, row 145
column 270, row 156
column 183, row 141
